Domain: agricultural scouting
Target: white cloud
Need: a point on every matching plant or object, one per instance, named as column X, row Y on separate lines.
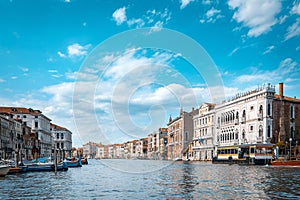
column 286, row 68
column 157, row 26
column 296, row 8
column 120, row 15
column 61, row 54
column 14, row 77
column 24, row 69
column 206, row 2
column 184, row 3
column 136, row 22
column 210, row 13
column 269, row 49
column 152, row 18
column 233, row 51
column 52, row 71
column 68, row 1
column 258, row 15
column 211, row 16
column 2, row 80
column 293, row 30
column 75, row 50
column 282, row 19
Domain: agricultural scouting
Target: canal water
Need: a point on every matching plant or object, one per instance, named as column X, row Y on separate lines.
column 148, row 179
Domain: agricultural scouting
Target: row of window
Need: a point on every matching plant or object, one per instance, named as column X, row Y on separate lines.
column 224, row 137
column 203, row 121
column 230, row 117
column 61, row 135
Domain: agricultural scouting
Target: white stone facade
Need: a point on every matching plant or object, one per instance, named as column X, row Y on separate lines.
column 245, row 119
column 204, row 129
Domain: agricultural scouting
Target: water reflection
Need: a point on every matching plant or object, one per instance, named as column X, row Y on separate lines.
column 178, row 180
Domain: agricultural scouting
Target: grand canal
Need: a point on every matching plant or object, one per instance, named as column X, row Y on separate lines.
column 146, row 179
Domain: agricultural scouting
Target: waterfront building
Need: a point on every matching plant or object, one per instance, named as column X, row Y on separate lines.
column 17, row 142
column 110, row 153
column 157, row 142
column 152, row 146
column 246, row 118
column 39, row 123
column 29, row 141
column 62, row 139
column 286, row 122
column 180, row 134
column 7, row 137
column 89, row 150
column 163, row 142
column 204, row 132
column 100, row 152
column 143, row 148
column 118, row 151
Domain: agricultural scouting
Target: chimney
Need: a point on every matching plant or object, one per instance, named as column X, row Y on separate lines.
column 281, row 89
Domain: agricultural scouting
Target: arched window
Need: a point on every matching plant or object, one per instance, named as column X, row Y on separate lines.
column 269, row 109
column 260, row 131
column 292, row 111
column 292, row 132
column 260, row 109
column 244, row 116
column 269, row 131
column 243, row 134
column 236, row 134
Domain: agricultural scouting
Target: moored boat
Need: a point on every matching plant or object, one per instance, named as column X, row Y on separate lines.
column 3, row 169
column 13, row 170
column 73, row 162
column 38, row 167
column 178, row 159
column 287, row 163
column 245, row 154
column 84, row 161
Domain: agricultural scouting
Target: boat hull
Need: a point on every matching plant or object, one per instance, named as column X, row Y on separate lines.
column 287, row 163
column 14, row 170
column 4, row 170
column 39, row 167
column 74, row 163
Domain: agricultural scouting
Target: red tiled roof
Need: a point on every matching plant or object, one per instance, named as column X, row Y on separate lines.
column 277, row 96
column 19, row 110
column 58, row 128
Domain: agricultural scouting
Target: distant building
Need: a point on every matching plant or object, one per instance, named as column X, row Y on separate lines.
column 90, row 150
column 204, row 133
column 156, row 148
column 118, row 151
column 62, row 139
column 286, row 121
column 180, row 134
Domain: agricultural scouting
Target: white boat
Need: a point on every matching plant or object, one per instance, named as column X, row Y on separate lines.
column 3, row 169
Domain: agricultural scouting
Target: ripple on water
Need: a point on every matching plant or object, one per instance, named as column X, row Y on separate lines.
column 99, row 180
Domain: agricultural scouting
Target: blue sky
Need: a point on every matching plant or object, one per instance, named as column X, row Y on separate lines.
column 126, row 91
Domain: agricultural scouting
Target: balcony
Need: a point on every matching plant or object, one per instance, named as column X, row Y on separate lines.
column 259, row 139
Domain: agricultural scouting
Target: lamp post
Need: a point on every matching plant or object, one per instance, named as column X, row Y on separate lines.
column 290, row 148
